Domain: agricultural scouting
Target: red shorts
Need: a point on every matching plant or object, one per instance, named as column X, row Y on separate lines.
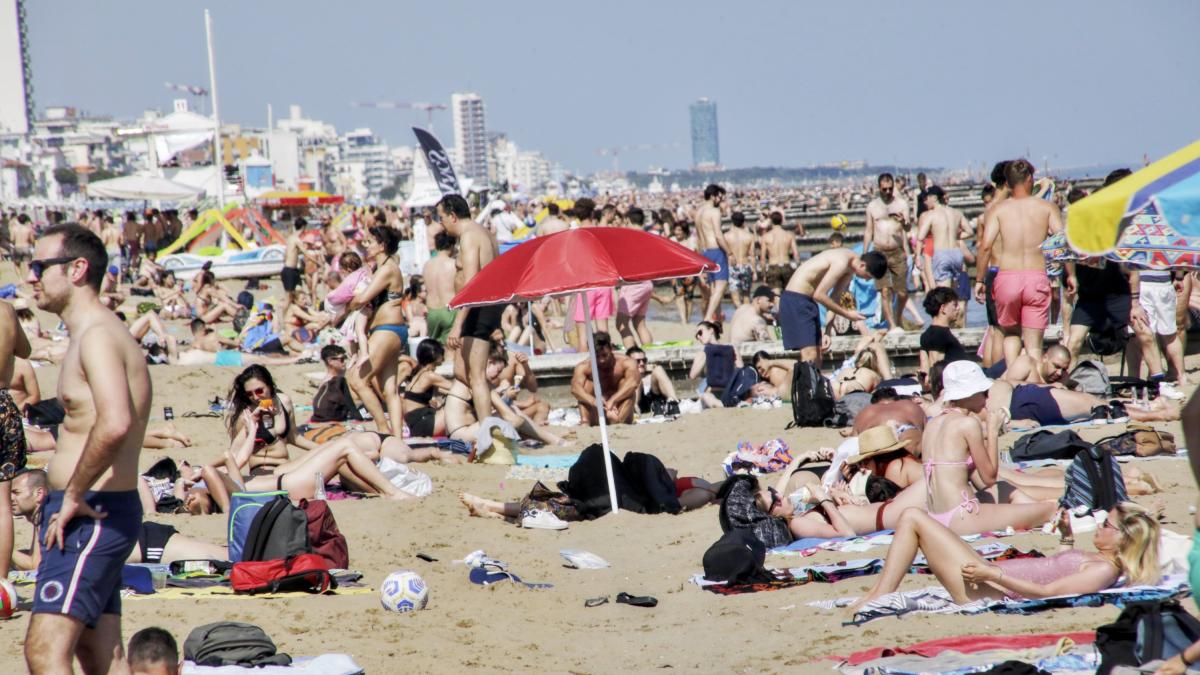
column 1022, row 298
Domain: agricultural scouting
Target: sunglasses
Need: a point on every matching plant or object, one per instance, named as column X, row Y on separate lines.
column 39, row 267
column 260, row 391
column 640, row 362
column 1108, row 523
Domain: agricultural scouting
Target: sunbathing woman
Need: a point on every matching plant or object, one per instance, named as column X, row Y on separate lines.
column 870, row 367
column 716, row 361
column 387, row 336
column 414, row 307
column 254, row 389
column 1126, row 544
column 812, row 513
column 212, row 303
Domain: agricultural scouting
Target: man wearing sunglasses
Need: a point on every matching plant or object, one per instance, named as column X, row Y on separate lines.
column 92, row 517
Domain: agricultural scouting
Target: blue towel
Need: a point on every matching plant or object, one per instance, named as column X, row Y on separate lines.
column 813, row 542
column 548, row 461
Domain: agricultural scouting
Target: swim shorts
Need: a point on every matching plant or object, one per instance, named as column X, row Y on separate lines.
column 1158, row 300
column 634, row 299
column 718, row 256
column 741, row 277
column 228, row 357
column 947, row 264
column 897, row 270
column 778, row 276
column 800, row 320
column 12, row 438
column 152, row 540
column 481, row 322
column 420, row 421
column 290, row 277
column 83, row 579
column 1035, row 402
column 439, row 322
column 600, row 303
column 1022, row 298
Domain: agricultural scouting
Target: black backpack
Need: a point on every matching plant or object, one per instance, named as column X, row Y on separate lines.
column 1093, row 480
column 739, row 386
column 279, row 530
column 1145, row 631
column 812, row 397
column 1109, row 341
column 232, row 643
column 1048, row 445
column 736, row 558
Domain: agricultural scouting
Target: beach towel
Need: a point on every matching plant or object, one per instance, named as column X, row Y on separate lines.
column 772, row 456
column 1061, row 658
column 325, row 664
column 970, row 644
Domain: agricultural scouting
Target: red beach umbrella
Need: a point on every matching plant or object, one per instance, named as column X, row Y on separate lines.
column 576, row 261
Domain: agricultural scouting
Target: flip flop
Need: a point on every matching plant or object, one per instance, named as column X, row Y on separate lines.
column 637, row 600
column 596, row 602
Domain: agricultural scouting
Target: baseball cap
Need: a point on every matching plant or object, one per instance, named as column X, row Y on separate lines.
column 963, row 379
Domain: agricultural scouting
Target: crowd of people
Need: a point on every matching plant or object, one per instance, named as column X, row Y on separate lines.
column 407, row 377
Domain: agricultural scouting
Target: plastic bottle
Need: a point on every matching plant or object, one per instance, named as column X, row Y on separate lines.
column 319, row 493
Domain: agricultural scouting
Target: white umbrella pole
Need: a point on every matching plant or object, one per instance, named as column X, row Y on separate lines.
column 218, row 156
column 608, row 470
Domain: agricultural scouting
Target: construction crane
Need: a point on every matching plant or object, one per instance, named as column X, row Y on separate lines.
column 615, row 152
column 403, row 105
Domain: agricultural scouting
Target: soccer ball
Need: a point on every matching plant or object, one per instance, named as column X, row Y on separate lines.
column 8, row 599
column 838, row 222
column 403, row 591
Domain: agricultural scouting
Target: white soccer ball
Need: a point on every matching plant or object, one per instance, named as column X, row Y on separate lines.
column 403, row 591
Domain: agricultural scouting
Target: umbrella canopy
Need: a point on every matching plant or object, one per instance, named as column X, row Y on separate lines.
column 141, row 187
column 1148, row 243
column 580, row 259
column 575, row 261
column 1171, row 185
column 307, row 198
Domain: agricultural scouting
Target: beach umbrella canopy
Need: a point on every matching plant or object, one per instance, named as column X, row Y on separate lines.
column 141, row 187
column 576, row 261
column 1171, row 185
column 305, row 198
column 1148, row 243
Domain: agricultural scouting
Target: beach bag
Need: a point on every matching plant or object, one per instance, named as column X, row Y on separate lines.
column 307, row 573
column 279, row 530
column 812, row 396
column 45, row 413
column 324, row 537
column 851, row 404
column 232, row 643
column 648, row 473
column 243, row 506
column 542, row 498
column 1109, row 341
column 740, row 512
column 587, row 485
column 720, row 363
column 743, row 380
column 1144, row 632
column 1140, row 440
column 736, row 558
column 1046, row 444
column 1093, row 480
column 1091, row 377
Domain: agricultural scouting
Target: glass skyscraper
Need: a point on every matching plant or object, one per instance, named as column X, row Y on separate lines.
column 706, row 152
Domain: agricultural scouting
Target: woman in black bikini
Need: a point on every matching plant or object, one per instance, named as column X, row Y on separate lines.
column 387, row 333
column 422, row 418
column 254, row 389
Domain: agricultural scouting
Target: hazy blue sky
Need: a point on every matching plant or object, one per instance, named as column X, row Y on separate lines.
column 929, row 82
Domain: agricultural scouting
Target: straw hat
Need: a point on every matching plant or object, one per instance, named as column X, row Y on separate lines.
column 875, row 441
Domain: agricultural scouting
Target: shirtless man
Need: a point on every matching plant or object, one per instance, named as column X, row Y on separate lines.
column 110, row 235
column 1022, row 288
column 778, row 253
column 947, row 226
column 985, row 270
column 293, row 266
column 438, row 274
column 714, row 247
column 741, row 259
column 471, row 333
column 20, row 233
column 824, row 273
column 93, row 474
column 901, row 412
column 749, row 323
column 1052, row 368
column 776, row 375
column 886, row 215
column 619, row 382
column 131, row 234
column 552, row 224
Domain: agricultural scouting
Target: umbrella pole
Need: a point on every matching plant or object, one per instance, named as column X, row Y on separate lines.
column 608, row 470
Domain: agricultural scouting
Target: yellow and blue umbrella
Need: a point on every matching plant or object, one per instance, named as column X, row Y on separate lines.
column 1171, row 186
column 1148, row 243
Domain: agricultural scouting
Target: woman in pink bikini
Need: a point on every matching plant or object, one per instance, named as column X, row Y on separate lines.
column 960, row 462
column 1126, row 545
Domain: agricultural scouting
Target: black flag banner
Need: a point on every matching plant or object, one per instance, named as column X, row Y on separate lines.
column 438, row 161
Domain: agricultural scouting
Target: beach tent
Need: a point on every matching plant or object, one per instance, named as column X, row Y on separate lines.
column 1171, row 185
column 141, row 187
column 577, row 261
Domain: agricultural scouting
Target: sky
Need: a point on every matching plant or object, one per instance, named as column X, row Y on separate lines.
column 947, row 83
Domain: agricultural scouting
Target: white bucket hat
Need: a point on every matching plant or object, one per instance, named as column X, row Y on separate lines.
column 963, row 379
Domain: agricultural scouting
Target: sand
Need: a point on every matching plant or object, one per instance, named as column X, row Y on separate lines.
column 507, row 628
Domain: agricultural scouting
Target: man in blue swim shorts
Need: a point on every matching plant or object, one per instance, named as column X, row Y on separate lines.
column 92, row 516
column 819, row 280
column 714, row 247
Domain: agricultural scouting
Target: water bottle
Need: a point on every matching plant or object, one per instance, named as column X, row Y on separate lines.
column 319, row 493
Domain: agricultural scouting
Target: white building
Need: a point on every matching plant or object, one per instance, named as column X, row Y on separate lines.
column 16, row 86
column 314, row 143
column 364, row 165
column 470, row 137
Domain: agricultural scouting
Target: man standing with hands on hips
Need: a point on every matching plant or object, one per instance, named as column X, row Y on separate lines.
column 92, row 518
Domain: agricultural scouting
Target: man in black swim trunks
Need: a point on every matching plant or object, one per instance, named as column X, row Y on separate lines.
column 472, row 332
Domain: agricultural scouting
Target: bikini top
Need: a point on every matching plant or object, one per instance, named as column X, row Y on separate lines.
column 264, row 436
column 969, row 462
column 423, row 397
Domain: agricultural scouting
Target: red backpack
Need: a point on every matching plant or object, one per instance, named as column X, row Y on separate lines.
column 324, row 537
column 307, row 572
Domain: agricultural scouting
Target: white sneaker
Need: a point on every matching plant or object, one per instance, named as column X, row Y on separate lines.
column 1167, row 389
column 542, row 520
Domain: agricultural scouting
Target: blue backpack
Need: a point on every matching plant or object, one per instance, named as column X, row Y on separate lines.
column 243, row 506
